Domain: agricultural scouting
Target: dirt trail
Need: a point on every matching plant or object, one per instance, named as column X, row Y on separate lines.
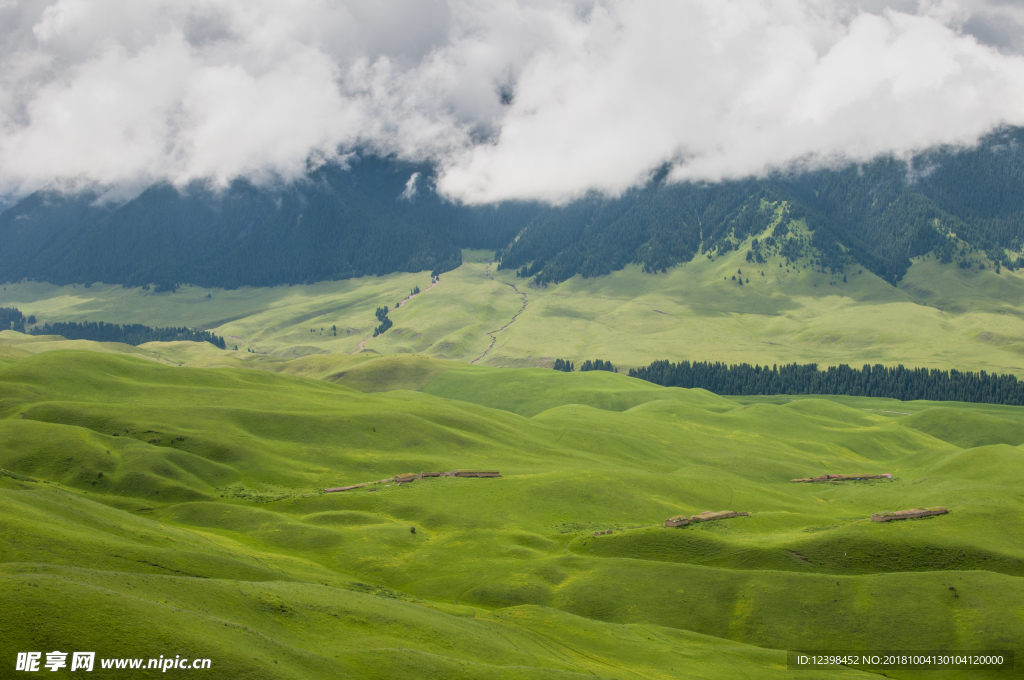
column 363, row 342
column 494, row 334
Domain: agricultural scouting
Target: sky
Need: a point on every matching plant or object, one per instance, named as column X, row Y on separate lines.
column 509, row 99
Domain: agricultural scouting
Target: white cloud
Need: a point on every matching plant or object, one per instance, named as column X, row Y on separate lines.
column 511, row 98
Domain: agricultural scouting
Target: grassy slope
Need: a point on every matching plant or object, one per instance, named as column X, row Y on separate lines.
column 281, row 629
column 276, row 319
column 694, row 312
column 205, row 506
column 533, row 390
column 939, row 316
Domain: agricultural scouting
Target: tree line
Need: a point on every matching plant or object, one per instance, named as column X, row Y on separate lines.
column 129, row 334
column 892, row 382
column 598, row 365
column 567, row 366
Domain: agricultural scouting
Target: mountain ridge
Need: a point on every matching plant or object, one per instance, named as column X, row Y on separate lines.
column 381, row 216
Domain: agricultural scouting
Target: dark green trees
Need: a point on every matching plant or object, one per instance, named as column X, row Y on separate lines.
column 598, row 365
column 385, row 322
column 563, row 365
column 11, row 319
column 905, row 384
column 129, row 334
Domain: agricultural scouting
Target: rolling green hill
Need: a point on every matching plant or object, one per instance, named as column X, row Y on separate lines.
column 130, row 486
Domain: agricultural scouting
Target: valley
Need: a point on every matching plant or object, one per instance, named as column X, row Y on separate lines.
column 190, row 480
column 170, row 476
column 939, row 316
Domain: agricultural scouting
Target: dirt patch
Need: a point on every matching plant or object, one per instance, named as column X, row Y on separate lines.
column 915, row 513
column 407, row 477
column 706, row 516
column 839, row 478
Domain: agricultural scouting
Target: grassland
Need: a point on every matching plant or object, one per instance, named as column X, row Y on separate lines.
column 150, row 509
column 162, row 500
column 939, row 316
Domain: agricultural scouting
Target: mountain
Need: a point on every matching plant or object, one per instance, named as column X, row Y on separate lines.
column 877, row 215
column 343, row 222
column 336, row 223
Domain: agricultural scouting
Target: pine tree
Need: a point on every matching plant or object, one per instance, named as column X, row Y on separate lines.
column 598, row 365
column 563, row 365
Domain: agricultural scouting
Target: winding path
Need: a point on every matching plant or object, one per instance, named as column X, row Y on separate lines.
column 493, row 334
column 402, row 302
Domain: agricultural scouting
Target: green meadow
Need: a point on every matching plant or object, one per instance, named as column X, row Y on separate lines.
column 940, row 316
column 167, row 499
column 150, row 508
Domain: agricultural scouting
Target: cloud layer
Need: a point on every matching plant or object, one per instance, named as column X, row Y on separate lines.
column 512, row 99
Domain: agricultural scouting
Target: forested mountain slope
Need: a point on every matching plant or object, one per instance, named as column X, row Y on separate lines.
column 340, row 223
column 335, row 224
column 877, row 215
